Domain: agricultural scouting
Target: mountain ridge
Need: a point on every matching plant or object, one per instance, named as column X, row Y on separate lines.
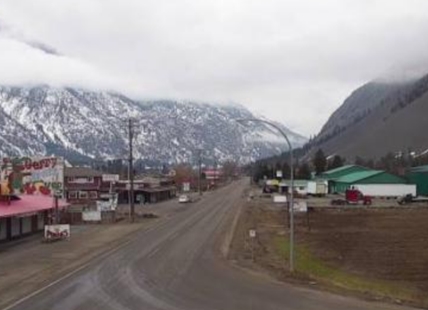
column 378, row 118
column 92, row 124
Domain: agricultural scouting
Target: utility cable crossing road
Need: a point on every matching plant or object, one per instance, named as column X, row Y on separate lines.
column 177, row 265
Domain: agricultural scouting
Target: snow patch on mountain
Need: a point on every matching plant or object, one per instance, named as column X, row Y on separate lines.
column 75, row 122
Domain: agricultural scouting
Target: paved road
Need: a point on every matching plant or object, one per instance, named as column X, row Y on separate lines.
column 176, row 266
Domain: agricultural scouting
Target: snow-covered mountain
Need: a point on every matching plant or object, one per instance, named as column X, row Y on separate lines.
column 88, row 124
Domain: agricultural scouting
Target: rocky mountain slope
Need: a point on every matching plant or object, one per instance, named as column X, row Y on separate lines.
column 379, row 118
column 77, row 123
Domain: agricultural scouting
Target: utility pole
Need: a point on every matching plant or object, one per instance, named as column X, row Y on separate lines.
column 131, row 172
column 199, row 171
column 215, row 175
column 56, row 209
column 251, row 174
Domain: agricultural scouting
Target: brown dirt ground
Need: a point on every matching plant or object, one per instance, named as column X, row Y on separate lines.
column 385, row 244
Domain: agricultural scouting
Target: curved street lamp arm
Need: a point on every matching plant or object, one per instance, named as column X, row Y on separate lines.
column 291, row 210
column 270, row 124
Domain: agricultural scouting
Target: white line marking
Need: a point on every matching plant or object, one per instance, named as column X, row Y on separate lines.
column 66, row 276
column 153, row 253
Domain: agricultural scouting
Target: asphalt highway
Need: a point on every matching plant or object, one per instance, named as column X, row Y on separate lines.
column 177, row 265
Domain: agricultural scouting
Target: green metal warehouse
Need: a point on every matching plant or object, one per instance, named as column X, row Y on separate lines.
column 419, row 176
column 340, row 184
column 337, row 173
column 341, row 171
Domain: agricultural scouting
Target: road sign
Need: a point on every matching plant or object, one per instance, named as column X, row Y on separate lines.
column 53, row 232
column 279, row 199
column 300, row 206
column 252, row 233
column 279, row 174
column 186, row 187
column 110, row 177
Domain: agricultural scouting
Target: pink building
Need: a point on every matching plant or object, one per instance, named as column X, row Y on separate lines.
column 213, row 174
column 25, row 214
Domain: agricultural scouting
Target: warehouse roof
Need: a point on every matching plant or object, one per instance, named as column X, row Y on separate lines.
column 339, row 170
column 28, row 205
column 357, row 176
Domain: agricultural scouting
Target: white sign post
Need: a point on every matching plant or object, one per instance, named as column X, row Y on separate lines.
column 252, row 233
column 300, row 206
column 91, row 215
column 279, row 199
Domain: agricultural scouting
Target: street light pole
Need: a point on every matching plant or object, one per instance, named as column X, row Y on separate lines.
column 291, row 209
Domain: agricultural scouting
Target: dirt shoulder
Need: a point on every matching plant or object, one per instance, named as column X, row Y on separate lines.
column 373, row 253
column 31, row 264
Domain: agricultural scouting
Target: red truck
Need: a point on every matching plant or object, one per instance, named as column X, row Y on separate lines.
column 353, row 196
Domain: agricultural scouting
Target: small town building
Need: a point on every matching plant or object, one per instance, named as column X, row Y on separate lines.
column 146, row 189
column 419, row 176
column 300, row 186
column 25, row 214
column 331, row 175
column 83, row 185
column 213, row 174
column 341, row 184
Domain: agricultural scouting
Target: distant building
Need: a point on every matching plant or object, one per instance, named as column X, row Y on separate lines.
column 419, row 176
column 146, row 189
column 25, row 214
column 83, row 185
column 213, row 174
column 331, row 175
column 373, row 177
column 27, row 187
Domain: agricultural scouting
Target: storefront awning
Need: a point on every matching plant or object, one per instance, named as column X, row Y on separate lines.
column 29, row 204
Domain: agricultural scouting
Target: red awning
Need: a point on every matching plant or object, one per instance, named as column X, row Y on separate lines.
column 29, row 204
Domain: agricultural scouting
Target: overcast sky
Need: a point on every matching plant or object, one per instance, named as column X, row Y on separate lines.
column 291, row 61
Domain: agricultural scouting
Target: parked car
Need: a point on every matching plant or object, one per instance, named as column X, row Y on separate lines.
column 184, row 199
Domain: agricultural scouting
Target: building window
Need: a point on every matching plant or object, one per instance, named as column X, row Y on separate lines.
column 90, row 179
column 72, row 195
column 83, row 195
column 93, row 195
column 70, row 179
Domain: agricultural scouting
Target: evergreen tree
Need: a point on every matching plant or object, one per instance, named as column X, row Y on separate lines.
column 336, row 162
column 285, row 170
column 304, row 172
column 359, row 161
column 265, row 171
column 320, row 162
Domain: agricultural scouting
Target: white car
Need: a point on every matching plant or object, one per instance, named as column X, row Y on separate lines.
column 183, row 199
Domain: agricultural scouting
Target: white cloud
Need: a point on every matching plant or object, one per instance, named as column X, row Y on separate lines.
column 23, row 64
column 293, row 61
